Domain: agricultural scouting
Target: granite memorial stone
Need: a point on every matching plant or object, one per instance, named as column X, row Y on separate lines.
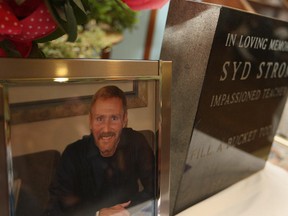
column 229, row 87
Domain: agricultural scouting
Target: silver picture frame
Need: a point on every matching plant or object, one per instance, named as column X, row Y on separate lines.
column 27, row 72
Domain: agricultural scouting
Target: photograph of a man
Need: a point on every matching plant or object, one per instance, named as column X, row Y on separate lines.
column 100, row 173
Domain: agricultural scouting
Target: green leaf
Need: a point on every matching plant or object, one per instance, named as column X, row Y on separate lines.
column 36, row 52
column 55, row 13
column 86, row 4
column 79, row 11
column 114, row 13
column 65, row 19
column 71, row 22
column 79, row 4
column 56, row 34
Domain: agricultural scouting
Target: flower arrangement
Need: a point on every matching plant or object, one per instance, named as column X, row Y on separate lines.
column 24, row 24
column 90, row 43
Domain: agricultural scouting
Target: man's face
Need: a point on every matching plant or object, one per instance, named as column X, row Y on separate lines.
column 107, row 119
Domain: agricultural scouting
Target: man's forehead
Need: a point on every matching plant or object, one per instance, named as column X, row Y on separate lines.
column 108, row 100
column 108, row 106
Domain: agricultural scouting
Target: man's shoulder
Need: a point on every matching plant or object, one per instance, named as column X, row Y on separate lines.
column 79, row 145
column 134, row 137
column 130, row 132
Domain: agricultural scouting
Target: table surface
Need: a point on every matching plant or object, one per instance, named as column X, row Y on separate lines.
column 264, row 193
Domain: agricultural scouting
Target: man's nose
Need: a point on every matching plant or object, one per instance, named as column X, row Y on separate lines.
column 106, row 125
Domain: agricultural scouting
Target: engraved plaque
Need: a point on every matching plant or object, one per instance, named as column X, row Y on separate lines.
column 230, row 74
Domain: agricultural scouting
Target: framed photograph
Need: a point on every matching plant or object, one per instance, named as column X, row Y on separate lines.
column 47, row 107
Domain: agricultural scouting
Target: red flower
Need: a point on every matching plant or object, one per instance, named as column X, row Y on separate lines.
column 21, row 31
column 145, row 4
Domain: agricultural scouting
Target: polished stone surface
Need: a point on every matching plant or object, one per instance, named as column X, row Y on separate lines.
column 179, row 39
column 228, row 91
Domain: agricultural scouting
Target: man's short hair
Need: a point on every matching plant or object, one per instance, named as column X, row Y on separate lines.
column 110, row 91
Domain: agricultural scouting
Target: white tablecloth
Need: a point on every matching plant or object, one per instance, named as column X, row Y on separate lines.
column 265, row 193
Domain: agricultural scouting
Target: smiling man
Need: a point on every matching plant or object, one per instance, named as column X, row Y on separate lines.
column 101, row 172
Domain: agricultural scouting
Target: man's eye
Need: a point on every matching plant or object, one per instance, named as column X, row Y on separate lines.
column 115, row 118
column 99, row 119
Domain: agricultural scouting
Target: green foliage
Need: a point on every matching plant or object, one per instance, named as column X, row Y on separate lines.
column 117, row 15
column 86, row 27
column 68, row 14
column 89, row 44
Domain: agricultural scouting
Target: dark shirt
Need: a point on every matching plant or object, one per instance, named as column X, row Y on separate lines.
column 85, row 181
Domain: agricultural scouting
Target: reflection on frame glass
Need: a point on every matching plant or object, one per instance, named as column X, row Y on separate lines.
column 103, row 159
